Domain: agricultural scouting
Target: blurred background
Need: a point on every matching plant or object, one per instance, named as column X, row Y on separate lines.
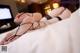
column 45, row 6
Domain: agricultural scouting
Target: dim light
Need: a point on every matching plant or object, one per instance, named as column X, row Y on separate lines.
column 42, row 1
column 23, row 1
column 48, row 11
column 47, row 7
column 17, row 0
column 55, row 5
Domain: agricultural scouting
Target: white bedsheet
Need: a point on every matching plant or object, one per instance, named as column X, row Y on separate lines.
column 62, row 37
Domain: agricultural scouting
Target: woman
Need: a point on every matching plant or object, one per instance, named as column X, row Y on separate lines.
column 30, row 21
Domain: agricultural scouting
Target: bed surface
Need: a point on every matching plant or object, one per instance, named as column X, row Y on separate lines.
column 61, row 37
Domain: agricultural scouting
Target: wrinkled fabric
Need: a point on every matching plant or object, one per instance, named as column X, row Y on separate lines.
column 61, row 37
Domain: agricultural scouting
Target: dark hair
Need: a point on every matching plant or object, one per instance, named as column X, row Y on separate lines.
column 72, row 5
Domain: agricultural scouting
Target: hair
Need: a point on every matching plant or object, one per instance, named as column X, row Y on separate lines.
column 72, row 5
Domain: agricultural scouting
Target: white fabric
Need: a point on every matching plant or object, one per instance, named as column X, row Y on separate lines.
column 62, row 37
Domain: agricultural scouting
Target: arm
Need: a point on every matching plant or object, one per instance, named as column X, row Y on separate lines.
column 8, row 35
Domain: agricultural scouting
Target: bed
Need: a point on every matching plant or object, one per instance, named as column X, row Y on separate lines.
column 61, row 37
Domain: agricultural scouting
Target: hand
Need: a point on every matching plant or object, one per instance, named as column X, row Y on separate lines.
column 16, row 20
column 20, row 16
column 6, row 38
